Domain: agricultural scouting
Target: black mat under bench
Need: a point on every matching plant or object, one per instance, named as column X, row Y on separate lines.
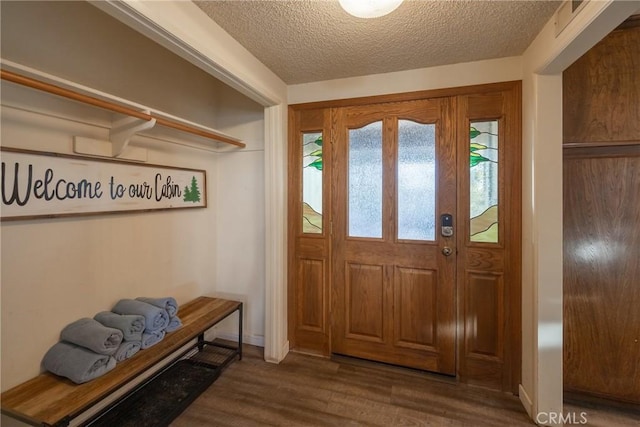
column 159, row 401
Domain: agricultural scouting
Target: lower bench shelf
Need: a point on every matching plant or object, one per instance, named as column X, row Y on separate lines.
column 160, row 400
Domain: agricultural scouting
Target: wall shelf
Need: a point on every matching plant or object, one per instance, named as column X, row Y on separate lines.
column 139, row 117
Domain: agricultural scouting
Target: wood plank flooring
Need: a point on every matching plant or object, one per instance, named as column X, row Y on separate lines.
column 310, row 391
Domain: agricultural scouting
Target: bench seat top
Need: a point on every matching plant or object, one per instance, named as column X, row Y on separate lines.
column 49, row 399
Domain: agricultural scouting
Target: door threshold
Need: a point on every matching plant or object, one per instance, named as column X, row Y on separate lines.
column 389, row 367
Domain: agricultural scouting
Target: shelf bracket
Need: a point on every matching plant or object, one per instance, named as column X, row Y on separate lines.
column 123, row 130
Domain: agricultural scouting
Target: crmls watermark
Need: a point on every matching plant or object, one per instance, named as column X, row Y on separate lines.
column 558, row 418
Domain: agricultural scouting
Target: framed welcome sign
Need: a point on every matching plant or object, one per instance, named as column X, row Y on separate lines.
column 36, row 184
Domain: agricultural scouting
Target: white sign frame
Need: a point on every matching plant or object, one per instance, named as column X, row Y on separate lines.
column 36, row 184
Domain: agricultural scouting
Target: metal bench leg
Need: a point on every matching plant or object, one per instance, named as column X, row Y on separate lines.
column 201, row 341
column 240, row 332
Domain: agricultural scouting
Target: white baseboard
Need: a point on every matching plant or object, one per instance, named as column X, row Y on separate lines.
column 526, row 401
column 258, row 341
column 284, row 351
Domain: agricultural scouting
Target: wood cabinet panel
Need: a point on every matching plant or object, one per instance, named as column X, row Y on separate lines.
column 601, row 91
column 601, row 286
column 602, row 276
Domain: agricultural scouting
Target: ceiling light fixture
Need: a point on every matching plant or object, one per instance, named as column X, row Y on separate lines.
column 369, row 8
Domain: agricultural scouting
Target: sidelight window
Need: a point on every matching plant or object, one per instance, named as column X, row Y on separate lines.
column 312, row 182
column 483, row 181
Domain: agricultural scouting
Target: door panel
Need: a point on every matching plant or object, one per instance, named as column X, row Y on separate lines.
column 484, row 305
column 393, row 289
column 310, row 304
column 364, row 303
column 415, row 308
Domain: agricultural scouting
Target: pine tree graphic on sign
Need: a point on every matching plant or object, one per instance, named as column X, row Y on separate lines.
column 192, row 194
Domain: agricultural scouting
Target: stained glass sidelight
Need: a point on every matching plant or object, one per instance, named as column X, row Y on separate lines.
column 483, row 181
column 312, row 182
column 416, row 180
column 365, row 181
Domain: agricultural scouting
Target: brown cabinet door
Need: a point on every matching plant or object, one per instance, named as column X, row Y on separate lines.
column 393, row 270
column 602, row 272
column 601, row 217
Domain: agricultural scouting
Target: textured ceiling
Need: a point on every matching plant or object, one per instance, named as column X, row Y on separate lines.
column 312, row 40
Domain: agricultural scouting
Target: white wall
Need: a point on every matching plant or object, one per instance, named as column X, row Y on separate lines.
column 445, row 76
column 78, row 42
column 240, row 237
column 55, row 271
column 183, row 28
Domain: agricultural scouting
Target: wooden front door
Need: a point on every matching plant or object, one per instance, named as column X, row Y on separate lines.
column 393, row 270
column 371, row 274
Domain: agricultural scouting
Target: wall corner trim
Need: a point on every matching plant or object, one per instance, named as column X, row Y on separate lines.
column 276, row 343
column 283, row 352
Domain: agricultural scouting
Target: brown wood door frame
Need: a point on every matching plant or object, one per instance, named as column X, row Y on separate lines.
column 309, row 256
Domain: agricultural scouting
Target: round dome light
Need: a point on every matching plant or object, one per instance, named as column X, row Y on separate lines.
column 369, row 8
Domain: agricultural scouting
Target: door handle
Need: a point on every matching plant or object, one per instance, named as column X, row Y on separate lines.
column 446, row 251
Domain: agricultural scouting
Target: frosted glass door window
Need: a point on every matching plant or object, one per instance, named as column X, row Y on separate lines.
column 483, row 181
column 365, row 181
column 312, row 182
column 416, row 181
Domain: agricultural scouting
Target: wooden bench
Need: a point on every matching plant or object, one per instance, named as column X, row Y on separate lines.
column 50, row 400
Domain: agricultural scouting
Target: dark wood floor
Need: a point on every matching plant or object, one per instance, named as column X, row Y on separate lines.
column 310, row 391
